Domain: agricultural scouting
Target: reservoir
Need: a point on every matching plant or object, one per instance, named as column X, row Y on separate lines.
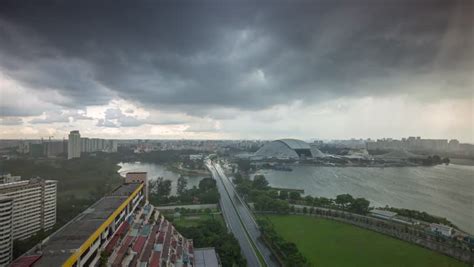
column 446, row 191
column 156, row 170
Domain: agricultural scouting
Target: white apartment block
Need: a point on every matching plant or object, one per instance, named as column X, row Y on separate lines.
column 6, row 239
column 8, row 178
column 95, row 144
column 34, row 205
column 74, row 145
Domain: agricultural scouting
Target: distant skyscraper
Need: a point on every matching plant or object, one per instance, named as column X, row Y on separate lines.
column 74, row 145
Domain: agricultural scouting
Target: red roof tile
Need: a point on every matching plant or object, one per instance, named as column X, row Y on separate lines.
column 25, row 261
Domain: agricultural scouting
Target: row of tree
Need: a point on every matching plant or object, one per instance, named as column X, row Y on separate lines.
column 205, row 193
column 421, row 215
column 267, row 199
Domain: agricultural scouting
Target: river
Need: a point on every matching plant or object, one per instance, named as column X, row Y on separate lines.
column 446, row 191
column 156, row 170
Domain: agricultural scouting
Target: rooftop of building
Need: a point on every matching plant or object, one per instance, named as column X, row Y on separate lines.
column 384, row 213
column 205, row 257
column 441, row 226
column 59, row 246
column 153, row 240
column 25, row 182
column 294, row 143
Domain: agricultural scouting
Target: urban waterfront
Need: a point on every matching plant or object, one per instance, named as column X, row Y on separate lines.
column 156, row 170
column 446, row 191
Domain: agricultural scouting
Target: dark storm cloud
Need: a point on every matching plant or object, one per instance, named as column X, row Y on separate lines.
column 200, row 55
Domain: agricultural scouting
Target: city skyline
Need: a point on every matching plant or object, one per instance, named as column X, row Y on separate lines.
column 317, row 70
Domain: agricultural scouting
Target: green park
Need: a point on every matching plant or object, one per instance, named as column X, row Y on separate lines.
column 329, row 243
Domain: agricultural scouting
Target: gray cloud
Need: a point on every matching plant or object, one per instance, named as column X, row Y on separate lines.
column 115, row 118
column 7, row 121
column 199, row 57
column 60, row 116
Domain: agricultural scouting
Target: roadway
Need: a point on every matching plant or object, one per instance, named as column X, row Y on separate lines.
column 232, row 220
column 247, row 218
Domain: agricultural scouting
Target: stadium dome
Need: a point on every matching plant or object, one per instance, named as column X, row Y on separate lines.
column 287, row 149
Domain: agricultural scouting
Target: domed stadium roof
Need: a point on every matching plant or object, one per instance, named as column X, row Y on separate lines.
column 294, row 143
column 287, row 149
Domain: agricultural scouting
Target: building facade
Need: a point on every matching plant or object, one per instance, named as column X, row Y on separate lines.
column 6, row 239
column 74, row 145
column 34, row 205
column 8, row 178
column 81, row 241
column 138, row 177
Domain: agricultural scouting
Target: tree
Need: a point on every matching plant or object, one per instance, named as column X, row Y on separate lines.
column 309, row 200
column 207, row 184
column 259, row 182
column 273, row 194
column 283, row 194
column 164, row 187
column 360, row 205
column 244, row 165
column 182, row 184
column 238, row 178
column 295, row 195
column 324, row 201
column 243, row 189
column 344, row 200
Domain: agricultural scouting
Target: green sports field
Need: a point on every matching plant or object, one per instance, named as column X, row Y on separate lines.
column 330, row 243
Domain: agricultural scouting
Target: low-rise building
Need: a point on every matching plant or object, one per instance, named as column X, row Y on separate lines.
column 206, row 257
column 441, row 229
column 383, row 214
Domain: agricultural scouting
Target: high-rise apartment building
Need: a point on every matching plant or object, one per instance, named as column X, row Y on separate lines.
column 6, row 239
column 8, row 178
column 74, row 145
column 34, row 205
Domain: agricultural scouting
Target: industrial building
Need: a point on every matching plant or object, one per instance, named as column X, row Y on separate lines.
column 287, row 149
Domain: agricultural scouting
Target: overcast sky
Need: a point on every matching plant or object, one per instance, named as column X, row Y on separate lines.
column 236, row 69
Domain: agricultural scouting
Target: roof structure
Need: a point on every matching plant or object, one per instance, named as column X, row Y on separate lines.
column 64, row 242
column 148, row 239
column 294, row 143
column 288, row 149
column 205, row 257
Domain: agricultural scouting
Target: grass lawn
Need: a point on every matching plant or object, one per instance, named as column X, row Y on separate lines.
column 195, row 220
column 330, row 243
